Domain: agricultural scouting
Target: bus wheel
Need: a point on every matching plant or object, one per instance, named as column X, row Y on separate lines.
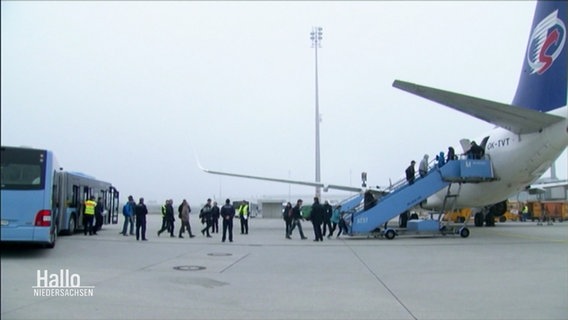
column 52, row 239
column 72, row 224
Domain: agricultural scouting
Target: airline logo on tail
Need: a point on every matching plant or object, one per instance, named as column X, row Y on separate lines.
column 546, row 43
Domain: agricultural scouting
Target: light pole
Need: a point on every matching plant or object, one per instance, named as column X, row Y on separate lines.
column 316, row 36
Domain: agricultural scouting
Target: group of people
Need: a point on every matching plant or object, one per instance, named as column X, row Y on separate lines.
column 135, row 214
column 475, row 152
column 324, row 218
column 321, row 215
column 168, row 218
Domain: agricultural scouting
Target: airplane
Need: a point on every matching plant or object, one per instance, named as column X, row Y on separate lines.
column 530, row 133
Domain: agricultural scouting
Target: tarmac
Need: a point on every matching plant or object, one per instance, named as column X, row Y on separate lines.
column 511, row 271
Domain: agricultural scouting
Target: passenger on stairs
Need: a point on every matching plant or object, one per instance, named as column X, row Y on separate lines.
column 423, row 167
column 475, row 151
column 441, row 159
column 369, row 200
column 451, row 154
column 410, row 172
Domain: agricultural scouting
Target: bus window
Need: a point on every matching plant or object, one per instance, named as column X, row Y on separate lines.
column 86, row 194
column 23, row 169
column 75, row 197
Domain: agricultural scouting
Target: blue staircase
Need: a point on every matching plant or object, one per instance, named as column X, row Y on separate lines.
column 364, row 217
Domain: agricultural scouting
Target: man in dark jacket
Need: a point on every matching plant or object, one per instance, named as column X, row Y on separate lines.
column 296, row 217
column 215, row 218
column 317, row 218
column 99, row 208
column 410, row 172
column 168, row 218
column 141, row 212
column 328, row 210
column 475, row 151
column 227, row 214
column 205, row 216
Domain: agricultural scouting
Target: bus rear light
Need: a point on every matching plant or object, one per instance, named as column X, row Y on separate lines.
column 43, row 218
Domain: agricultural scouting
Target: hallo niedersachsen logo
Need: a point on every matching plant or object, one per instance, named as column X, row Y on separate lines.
column 546, row 43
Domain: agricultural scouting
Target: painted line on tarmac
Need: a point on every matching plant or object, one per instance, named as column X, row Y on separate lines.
column 234, row 263
column 383, row 284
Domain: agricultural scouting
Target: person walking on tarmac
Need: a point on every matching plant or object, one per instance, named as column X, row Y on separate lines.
column 296, row 217
column 287, row 216
column 317, row 219
column 164, row 221
column 98, row 215
column 141, row 212
column 327, row 212
column 243, row 216
column 335, row 216
column 184, row 210
column 205, row 216
column 129, row 215
column 215, row 218
column 88, row 215
column 167, row 218
column 227, row 214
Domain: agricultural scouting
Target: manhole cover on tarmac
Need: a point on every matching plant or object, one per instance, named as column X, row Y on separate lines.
column 189, row 268
column 219, row 254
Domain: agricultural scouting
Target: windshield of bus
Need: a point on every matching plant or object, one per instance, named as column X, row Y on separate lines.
column 22, row 169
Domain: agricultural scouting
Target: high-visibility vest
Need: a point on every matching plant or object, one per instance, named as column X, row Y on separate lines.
column 243, row 210
column 90, row 207
column 163, row 211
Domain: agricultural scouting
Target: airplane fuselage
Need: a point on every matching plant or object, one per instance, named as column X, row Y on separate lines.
column 518, row 160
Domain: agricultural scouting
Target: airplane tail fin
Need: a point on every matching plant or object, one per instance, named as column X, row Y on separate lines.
column 543, row 82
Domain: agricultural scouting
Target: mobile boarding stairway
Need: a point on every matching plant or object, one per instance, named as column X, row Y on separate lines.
column 363, row 217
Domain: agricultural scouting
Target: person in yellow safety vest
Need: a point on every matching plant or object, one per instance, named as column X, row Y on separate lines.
column 243, row 216
column 525, row 213
column 88, row 215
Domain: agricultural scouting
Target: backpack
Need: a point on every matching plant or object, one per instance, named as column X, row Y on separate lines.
column 125, row 209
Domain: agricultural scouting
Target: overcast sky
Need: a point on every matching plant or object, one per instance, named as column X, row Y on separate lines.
column 131, row 92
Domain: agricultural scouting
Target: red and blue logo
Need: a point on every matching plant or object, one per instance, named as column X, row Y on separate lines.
column 546, row 43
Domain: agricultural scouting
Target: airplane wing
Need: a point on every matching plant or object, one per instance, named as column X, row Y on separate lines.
column 515, row 119
column 305, row 183
column 238, row 175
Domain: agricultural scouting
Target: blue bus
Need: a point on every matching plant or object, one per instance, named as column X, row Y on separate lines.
column 75, row 189
column 39, row 200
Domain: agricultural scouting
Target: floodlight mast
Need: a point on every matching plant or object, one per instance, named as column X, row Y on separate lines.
column 316, row 36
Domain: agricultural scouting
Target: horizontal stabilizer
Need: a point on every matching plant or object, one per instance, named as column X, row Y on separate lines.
column 515, row 119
